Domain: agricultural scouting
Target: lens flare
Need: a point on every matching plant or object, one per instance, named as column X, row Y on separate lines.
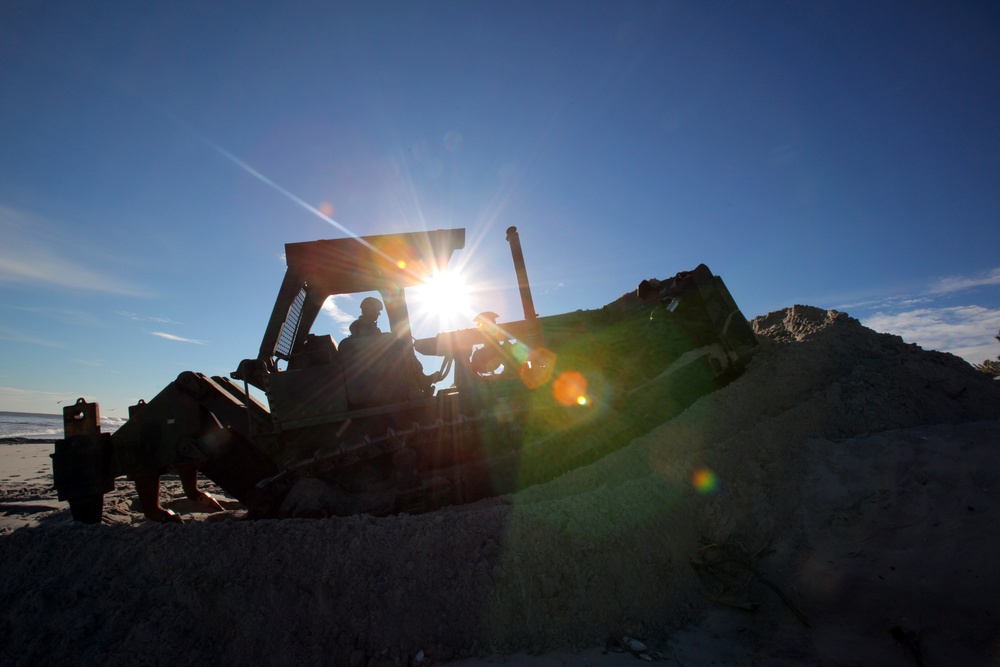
column 536, row 370
column 569, row 388
column 453, row 142
column 520, row 351
column 704, row 480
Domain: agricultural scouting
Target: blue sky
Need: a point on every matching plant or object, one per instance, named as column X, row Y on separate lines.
column 156, row 157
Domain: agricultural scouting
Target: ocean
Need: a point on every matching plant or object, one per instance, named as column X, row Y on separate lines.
column 21, row 427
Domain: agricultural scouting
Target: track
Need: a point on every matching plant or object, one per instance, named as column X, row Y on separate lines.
column 413, row 488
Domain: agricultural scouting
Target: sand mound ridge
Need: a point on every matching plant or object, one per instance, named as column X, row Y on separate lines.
column 602, row 550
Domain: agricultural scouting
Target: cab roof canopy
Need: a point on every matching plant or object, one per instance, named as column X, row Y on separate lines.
column 351, row 265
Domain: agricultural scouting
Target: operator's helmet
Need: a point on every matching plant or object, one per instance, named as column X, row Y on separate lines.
column 485, row 319
column 487, row 323
column 371, row 304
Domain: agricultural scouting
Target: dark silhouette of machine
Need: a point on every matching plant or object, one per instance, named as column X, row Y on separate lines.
column 358, row 427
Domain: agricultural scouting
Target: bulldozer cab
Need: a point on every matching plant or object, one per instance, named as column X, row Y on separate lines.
column 317, row 270
column 308, row 375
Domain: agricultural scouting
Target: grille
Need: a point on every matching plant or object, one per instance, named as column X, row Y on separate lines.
column 286, row 339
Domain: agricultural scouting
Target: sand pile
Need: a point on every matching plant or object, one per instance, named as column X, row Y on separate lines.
column 798, row 456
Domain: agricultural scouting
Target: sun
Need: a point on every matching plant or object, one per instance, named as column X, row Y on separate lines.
column 442, row 302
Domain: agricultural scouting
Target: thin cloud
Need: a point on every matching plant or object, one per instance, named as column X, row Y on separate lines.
column 884, row 303
column 15, row 336
column 88, row 362
column 965, row 331
column 135, row 317
column 34, row 252
column 925, row 295
column 64, row 315
column 953, row 284
column 178, row 339
column 337, row 314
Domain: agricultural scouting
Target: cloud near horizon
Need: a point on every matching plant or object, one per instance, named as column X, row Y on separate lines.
column 27, row 400
column 179, row 339
column 965, row 331
column 939, row 288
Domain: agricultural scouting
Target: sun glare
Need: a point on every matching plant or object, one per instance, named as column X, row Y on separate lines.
column 443, row 301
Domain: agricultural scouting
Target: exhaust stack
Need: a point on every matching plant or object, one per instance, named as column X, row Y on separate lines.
column 522, row 274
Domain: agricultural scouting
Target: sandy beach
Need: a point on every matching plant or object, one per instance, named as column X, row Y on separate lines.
column 26, row 495
column 852, row 522
column 24, row 464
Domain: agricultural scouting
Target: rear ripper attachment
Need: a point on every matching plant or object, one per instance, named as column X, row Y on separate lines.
column 357, row 426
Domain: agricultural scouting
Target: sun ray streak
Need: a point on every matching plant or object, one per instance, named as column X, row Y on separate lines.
column 291, row 196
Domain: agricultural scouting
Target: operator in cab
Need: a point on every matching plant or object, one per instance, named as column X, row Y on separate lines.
column 413, row 370
column 487, row 359
column 367, row 324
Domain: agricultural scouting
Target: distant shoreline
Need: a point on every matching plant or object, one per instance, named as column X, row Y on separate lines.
column 17, row 440
column 31, row 414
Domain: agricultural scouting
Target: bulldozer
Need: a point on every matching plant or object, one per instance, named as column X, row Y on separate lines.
column 357, row 425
